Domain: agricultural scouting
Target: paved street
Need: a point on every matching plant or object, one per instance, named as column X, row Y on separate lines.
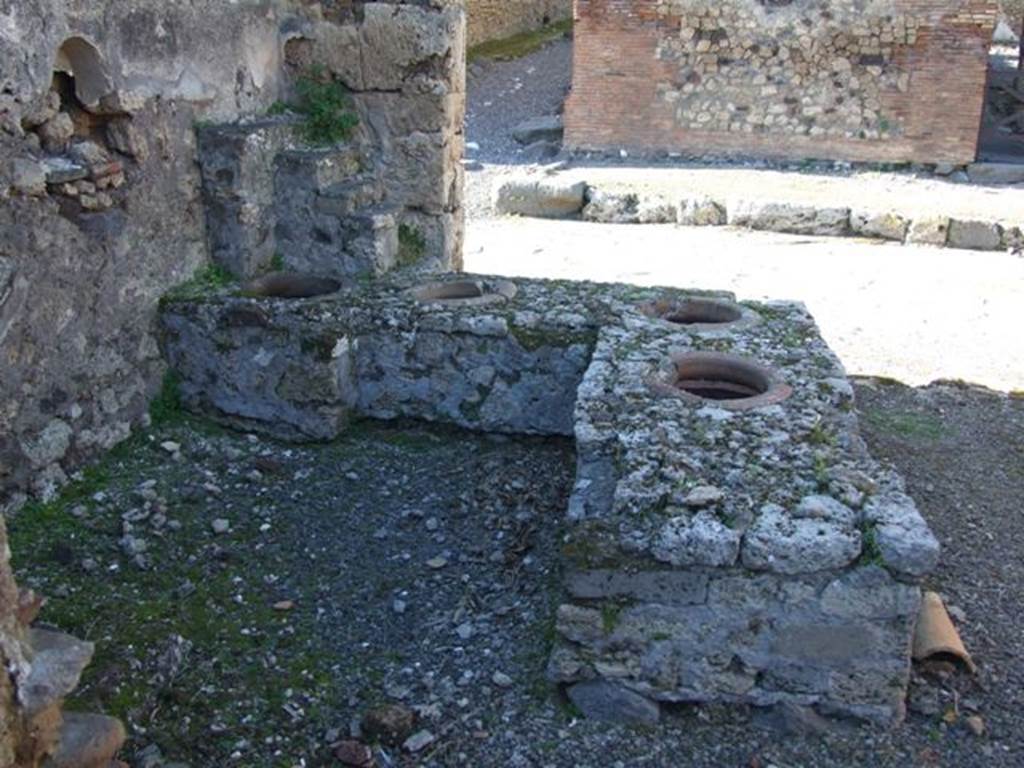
column 911, row 313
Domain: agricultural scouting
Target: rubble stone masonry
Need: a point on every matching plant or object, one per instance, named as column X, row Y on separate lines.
column 113, row 118
column 885, row 80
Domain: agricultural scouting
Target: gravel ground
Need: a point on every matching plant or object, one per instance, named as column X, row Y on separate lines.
column 500, row 95
column 417, row 566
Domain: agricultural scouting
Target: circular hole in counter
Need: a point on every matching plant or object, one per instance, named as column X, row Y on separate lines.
column 728, row 381
column 699, row 313
column 465, row 292
column 291, row 285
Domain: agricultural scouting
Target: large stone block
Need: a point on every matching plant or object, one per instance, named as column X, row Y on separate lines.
column 246, row 368
column 786, row 217
column 885, row 226
column 663, row 587
column 610, row 207
column 701, row 472
column 238, row 168
column 612, row 703
column 700, row 539
column 397, row 39
column 423, row 172
column 543, row 198
column 996, row 173
column 929, row 231
column 975, row 235
column 905, row 542
column 701, row 212
column 784, row 543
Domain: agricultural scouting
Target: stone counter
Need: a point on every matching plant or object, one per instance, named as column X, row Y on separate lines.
column 298, row 368
column 730, row 539
column 726, row 552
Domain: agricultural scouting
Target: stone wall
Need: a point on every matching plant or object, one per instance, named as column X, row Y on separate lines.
column 103, row 205
column 733, row 548
column 497, row 19
column 892, row 80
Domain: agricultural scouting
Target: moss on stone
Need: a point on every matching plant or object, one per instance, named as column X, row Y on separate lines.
column 610, row 616
column 412, row 246
column 471, row 410
column 321, row 347
column 166, row 406
column 533, row 339
column 208, row 280
column 517, row 46
column 870, row 552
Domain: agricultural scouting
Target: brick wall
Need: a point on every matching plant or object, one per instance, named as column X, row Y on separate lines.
column 904, row 81
column 496, row 19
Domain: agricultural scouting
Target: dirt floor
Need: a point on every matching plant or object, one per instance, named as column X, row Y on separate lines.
column 417, row 565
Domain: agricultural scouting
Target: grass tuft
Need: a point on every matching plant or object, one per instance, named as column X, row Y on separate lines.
column 206, row 280
column 166, row 406
column 327, row 109
column 412, row 246
column 610, row 615
column 907, row 424
column 870, row 552
column 521, row 45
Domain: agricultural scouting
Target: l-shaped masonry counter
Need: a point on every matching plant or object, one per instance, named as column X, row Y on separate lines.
column 729, row 537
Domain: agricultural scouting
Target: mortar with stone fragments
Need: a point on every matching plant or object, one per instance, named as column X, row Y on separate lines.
column 733, row 541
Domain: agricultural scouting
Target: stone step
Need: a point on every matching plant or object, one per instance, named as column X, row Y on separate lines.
column 57, row 664
column 546, row 128
column 87, row 741
column 996, row 173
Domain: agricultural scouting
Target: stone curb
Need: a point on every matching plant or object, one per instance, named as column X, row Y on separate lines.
column 625, row 207
column 795, row 218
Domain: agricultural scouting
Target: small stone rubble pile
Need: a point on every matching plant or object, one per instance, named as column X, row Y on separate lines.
column 730, row 541
column 41, row 668
column 82, row 152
